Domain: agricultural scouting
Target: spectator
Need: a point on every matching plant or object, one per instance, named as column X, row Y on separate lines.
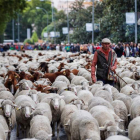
column 72, row 48
column 135, row 50
column 127, row 50
column 58, row 47
column 77, row 48
column 119, row 50
column 67, row 48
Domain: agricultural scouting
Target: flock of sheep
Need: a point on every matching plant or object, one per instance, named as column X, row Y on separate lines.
column 85, row 110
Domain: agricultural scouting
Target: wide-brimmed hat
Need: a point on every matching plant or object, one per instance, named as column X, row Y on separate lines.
column 106, row 40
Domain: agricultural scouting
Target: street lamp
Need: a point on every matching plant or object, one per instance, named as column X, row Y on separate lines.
column 93, row 22
column 68, row 22
column 45, row 11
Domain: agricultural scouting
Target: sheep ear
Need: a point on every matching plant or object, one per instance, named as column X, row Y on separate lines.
column 18, row 108
column 68, row 123
column 50, row 135
column 32, row 107
column 14, row 105
column 120, row 120
column 129, row 115
column 102, row 128
column 7, row 131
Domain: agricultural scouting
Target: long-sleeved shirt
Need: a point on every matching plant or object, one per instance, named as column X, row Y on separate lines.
column 94, row 62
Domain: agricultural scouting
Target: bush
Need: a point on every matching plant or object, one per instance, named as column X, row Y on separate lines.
column 29, row 41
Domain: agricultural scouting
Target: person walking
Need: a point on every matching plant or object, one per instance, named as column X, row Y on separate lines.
column 106, row 60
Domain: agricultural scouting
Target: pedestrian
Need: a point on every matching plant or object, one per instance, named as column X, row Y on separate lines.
column 104, row 57
column 119, row 50
column 127, row 50
column 135, row 50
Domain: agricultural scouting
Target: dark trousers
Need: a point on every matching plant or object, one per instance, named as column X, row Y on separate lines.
column 110, row 82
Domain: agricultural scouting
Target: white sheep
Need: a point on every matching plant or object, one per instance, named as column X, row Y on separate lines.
column 65, row 117
column 84, row 126
column 8, row 111
column 121, row 111
column 43, row 109
column 40, row 128
column 134, row 110
column 117, row 138
column 4, row 125
column 3, row 135
column 107, row 120
column 63, row 79
column 85, row 96
column 57, row 104
column 23, row 112
column 105, row 93
column 126, row 99
column 134, row 129
column 6, row 95
column 98, row 101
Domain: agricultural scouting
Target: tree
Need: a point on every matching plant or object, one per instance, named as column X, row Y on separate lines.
column 60, row 21
column 78, row 17
column 9, row 10
column 113, row 22
column 34, row 37
column 31, row 16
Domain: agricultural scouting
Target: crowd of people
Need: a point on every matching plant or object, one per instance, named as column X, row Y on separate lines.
column 127, row 49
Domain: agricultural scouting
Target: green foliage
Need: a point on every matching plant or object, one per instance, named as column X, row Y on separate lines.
column 34, row 37
column 9, row 10
column 29, row 41
column 60, row 21
column 113, row 21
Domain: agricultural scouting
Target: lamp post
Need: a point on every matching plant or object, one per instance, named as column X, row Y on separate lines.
column 68, row 22
column 93, row 22
column 136, row 22
column 45, row 12
column 13, row 30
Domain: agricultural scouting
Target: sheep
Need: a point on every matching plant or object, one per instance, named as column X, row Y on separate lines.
column 121, row 111
column 8, row 111
column 134, row 129
column 3, row 132
column 58, row 84
column 71, row 98
column 4, row 126
column 105, row 93
column 117, row 138
column 77, row 80
column 134, row 110
column 83, row 126
column 95, row 87
column 44, row 109
column 40, row 128
column 85, row 96
column 57, row 104
column 98, row 101
column 32, row 93
column 126, row 99
column 129, row 81
column 65, row 117
column 23, row 112
column 128, row 90
column 107, row 120
column 6, row 95
column 62, row 78
column 29, row 139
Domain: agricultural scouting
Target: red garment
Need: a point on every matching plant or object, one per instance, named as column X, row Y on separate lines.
column 16, row 47
column 94, row 62
column 98, row 47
